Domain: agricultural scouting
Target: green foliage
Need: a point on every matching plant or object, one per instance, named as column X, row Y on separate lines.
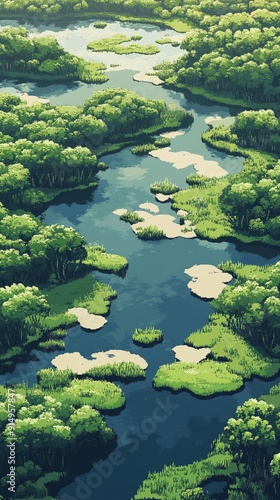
column 207, row 378
column 148, row 336
column 51, row 345
column 55, row 429
column 150, row 233
column 164, row 187
column 143, row 149
column 117, row 371
column 131, row 217
column 97, row 258
column 49, row 379
column 115, row 44
column 43, row 58
column 100, row 24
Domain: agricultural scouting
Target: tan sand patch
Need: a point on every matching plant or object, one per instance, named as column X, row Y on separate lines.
column 190, row 354
column 80, row 365
column 207, row 281
column 163, row 198
column 172, row 135
column 184, row 159
column 120, row 211
column 149, row 206
column 87, row 320
column 33, row 99
column 142, row 77
column 166, row 223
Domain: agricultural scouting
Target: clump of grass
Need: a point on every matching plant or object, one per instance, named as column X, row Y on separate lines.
column 164, row 187
column 131, row 217
column 58, row 334
column 51, row 345
column 147, row 337
column 100, row 24
column 143, row 149
column 162, row 142
column 50, row 379
column 117, row 371
column 150, row 233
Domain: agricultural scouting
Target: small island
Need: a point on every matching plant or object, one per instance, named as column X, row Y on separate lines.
column 119, row 44
column 147, row 337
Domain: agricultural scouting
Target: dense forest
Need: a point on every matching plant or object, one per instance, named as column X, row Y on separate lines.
column 246, row 205
column 43, row 58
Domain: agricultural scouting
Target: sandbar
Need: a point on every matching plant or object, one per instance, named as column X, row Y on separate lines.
column 184, row 159
column 142, row 77
column 163, row 198
column 33, row 99
column 172, row 134
column 190, row 354
column 88, row 320
column 80, row 365
column 207, row 281
column 149, row 206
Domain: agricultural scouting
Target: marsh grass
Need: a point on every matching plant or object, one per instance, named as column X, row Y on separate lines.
column 164, row 187
column 150, row 233
column 148, row 336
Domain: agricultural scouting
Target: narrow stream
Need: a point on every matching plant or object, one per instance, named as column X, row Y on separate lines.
column 154, row 291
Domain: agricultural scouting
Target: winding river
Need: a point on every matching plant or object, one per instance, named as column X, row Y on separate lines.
column 154, row 291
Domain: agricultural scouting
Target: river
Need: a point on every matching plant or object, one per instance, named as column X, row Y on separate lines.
column 154, row 291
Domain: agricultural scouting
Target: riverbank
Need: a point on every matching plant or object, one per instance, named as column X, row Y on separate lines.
column 176, row 24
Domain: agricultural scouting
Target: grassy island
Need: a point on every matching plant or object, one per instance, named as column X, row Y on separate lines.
column 100, row 24
column 147, row 337
column 164, row 187
column 241, row 334
column 115, row 44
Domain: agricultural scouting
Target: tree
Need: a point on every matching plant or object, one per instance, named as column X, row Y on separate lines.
column 62, row 249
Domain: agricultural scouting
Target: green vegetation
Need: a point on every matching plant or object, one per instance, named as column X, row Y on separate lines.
column 115, row 44
column 164, row 187
column 203, row 379
column 97, row 258
column 44, row 59
column 100, row 24
column 143, row 149
column 131, row 217
column 150, row 233
column 242, row 336
column 62, row 413
column 148, row 336
column 245, row 455
column 168, row 39
column 124, row 371
column 231, row 54
column 160, row 12
column 84, row 292
column 243, row 206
